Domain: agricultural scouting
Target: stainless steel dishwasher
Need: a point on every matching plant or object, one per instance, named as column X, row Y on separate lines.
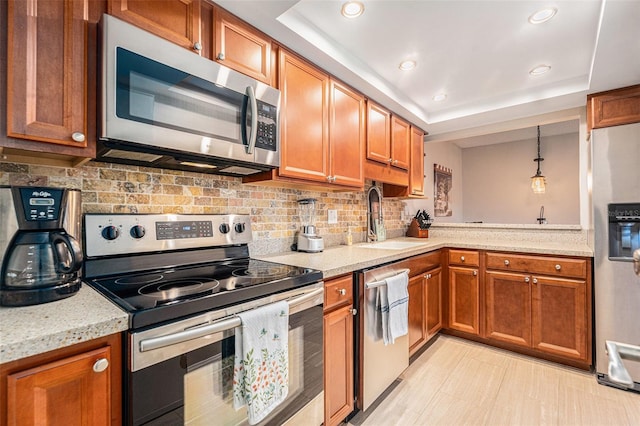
column 378, row 366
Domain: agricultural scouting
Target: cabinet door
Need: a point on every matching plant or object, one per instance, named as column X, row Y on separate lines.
column 508, row 307
column 400, row 143
column 338, row 365
column 304, row 137
column 417, row 335
column 175, row 20
column 378, row 133
column 464, row 307
column 241, row 47
column 560, row 317
column 64, row 392
column 416, row 173
column 47, row 71
column 433, row 303
column 347, row 136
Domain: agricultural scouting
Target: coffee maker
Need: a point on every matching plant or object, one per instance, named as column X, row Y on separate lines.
column 39, row 234
column 308, row 240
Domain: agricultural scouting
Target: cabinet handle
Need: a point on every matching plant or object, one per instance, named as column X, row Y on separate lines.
column 535, row 281
column 197, row 46
column 427, row 276
column 475, row 273
column 77, row 136
column 506, row 262
column 353, row 311
column 395, row 162
column 461, row 258
column 527, row 279
column 220, row 56
column 342, row 291
column 558, row 267
column 101, row 365
column 390, row 160
column 331, row 178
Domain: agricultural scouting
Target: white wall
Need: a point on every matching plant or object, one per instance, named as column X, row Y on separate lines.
column 447, row 155
column 498, row 184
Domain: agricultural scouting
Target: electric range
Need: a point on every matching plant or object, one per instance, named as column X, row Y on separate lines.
column 163, row 267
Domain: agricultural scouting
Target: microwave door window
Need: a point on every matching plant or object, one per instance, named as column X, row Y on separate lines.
column 153, row 93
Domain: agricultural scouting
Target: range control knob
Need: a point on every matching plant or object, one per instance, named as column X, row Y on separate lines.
column 110, row 232
column 224, row 228
column 137, row 231
column 240, row 227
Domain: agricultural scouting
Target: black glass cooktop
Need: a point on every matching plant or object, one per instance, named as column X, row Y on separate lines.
column 156, row 296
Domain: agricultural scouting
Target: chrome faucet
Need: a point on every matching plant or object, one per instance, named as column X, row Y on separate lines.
column 375, row 221
column 541, row 219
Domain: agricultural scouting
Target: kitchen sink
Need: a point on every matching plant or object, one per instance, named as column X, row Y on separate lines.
column 392, row 245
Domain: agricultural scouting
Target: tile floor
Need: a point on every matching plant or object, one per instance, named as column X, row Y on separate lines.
column 458, row 382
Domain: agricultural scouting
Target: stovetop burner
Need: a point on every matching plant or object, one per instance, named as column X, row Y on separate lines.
column 163, row 267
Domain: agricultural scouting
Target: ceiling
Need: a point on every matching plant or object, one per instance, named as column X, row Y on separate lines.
column 478, row 52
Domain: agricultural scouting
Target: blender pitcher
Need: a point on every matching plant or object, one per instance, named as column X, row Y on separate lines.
column 308, row 241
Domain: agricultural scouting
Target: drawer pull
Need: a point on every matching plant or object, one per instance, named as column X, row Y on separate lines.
column 527, row 279
column 197, row 46
column 558, row 267
column 353, row 311
column 427, row 276
column 461, row 258
column 475, row 273
column 341, row 291
column 101, row 365
column 506, row 262
column 535, row 281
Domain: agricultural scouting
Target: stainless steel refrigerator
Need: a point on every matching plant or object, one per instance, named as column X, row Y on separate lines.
column 616, row 208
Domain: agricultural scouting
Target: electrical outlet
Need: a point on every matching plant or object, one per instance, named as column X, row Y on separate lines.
column 333, row 216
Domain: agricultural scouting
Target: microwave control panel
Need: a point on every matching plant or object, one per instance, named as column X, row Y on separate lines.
column 267, row 129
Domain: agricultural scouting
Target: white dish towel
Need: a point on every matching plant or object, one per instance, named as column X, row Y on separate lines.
column 261, row 370
column 394, row 306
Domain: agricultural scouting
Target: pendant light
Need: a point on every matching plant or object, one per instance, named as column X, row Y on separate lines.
column 538, row 180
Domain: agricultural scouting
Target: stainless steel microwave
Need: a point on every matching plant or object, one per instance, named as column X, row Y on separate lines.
column 163, row 106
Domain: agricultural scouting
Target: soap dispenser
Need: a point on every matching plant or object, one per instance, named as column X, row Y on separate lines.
column 349, row 237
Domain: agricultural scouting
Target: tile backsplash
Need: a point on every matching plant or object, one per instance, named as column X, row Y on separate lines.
column 116, row 188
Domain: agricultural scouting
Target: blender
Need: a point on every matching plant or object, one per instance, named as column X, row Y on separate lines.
column 308, row 241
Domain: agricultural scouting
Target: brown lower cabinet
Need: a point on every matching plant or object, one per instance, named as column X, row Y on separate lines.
column 425, row 307
column 536, row 304
column 338, row 349
column 78, row 385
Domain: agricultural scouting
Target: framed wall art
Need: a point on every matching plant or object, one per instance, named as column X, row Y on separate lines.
column 442, row 185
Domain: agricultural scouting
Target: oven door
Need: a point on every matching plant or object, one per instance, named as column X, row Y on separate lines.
column 190, row 380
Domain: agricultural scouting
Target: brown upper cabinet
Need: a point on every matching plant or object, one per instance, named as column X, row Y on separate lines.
column 614, row 107
column 388, row 143
column 205, row 29
column 241, row 47
column 49, row 89
column 322, row 130
column 175, row 20
column 416, row 172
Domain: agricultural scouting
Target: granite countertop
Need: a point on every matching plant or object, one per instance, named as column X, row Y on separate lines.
column 339, row 260
column 87, row 315
column 31, row 330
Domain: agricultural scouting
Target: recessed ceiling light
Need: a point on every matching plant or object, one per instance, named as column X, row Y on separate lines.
column 540, row 69
column 407, row 65
column 543, row 15
column 352, row 9
column 440, row 97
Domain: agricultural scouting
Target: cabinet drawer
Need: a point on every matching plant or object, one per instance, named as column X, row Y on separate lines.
column 420, row 264
column 464, row 257
column 338, row 292
column 554, row 266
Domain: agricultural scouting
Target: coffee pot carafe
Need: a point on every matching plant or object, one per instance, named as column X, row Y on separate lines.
column 40, row 255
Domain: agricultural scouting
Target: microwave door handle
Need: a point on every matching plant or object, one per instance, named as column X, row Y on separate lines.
column 254, row 120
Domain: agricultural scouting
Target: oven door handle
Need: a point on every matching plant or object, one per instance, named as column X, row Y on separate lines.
column 216, row 327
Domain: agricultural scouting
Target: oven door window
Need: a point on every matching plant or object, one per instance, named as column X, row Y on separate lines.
column 152, row 93
column 196, row 388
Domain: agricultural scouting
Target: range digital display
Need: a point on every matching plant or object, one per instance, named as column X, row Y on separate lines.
column 183, row 229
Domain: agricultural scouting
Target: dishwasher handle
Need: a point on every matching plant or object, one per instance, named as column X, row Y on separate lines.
column 383, row 282
column 217, row 327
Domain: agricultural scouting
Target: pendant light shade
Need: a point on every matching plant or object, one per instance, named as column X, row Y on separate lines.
column 538, row 181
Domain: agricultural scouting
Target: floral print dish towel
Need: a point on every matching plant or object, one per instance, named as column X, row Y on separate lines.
column 261, row 370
